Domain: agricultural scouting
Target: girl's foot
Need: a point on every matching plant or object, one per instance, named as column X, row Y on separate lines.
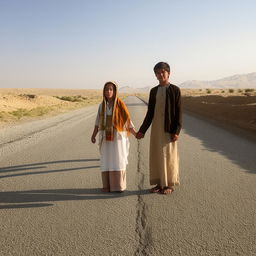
column 167, row 190
column 155, row 189
column 105, row 190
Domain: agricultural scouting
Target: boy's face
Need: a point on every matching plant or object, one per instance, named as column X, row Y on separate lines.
column 162, row 76
column 109, row 91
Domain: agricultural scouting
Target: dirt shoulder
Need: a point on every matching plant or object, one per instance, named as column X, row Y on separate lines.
column 235, row 113
column 234, row 110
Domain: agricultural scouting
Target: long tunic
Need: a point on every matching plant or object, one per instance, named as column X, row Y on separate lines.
column 114, row 154
column 164, row 159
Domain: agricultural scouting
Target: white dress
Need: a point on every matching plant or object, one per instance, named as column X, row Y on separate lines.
column 114, row 154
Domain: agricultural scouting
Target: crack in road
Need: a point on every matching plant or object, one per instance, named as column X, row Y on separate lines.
column 142, row 230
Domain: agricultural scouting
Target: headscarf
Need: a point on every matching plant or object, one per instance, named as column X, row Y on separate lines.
column 120, row 117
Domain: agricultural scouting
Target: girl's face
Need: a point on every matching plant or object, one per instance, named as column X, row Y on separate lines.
column 109, row 91
column 162, row 76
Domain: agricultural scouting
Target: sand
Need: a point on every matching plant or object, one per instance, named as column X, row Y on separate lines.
column 18, row 105
column 25, row 104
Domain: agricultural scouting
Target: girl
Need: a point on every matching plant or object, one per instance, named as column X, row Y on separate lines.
column 114, row 125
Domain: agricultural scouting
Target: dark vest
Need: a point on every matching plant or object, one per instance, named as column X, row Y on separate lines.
column 173, row 117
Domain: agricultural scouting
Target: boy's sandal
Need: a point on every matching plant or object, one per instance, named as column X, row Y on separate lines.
column 166, row 190
column 155, row 189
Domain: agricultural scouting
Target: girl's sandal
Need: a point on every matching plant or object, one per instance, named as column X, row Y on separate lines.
column 167, row 190
column 155, row 189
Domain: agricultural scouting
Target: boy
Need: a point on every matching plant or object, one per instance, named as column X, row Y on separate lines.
column 164, row 112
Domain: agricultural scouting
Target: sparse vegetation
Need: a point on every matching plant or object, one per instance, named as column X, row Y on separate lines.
column 77, row 98
column 29, row 96
column 19, row 113
column 40, row 111
column 22, row 112
column 208, row 91
column 231, row 90
column 249, row 90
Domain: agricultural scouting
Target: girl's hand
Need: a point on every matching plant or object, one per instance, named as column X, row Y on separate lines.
column 93, row 140
column 96, row 128
column 133, row 132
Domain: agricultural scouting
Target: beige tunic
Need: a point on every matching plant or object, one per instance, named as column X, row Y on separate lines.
column 163, row 157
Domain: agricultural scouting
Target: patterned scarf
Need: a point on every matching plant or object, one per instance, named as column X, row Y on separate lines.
column 119, row 119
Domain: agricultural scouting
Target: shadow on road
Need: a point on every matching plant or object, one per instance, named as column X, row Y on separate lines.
column 43, row 165
column 43, row 198
column 240, row 151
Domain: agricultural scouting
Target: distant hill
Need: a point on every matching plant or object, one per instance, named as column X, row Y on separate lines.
column 128, row 89
column 235, row 81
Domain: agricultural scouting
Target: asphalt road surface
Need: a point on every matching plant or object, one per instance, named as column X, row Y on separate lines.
column 51, row 202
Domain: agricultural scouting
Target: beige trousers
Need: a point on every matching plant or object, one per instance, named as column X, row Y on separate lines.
column 114, row 180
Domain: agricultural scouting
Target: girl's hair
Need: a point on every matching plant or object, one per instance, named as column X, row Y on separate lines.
column 114, row 88
column 162, row 65
column 113, row 85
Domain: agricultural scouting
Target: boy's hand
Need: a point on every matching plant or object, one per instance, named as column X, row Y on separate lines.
column 139, row 135
column 174, row 137
column 93, row 140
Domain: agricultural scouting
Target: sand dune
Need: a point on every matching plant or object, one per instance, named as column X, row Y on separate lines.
column 22, row 104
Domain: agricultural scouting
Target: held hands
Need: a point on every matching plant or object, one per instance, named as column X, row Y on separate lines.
column 139, row 135
column 174, row 137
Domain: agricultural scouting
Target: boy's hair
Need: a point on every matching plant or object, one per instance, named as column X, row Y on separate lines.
column 162, row 65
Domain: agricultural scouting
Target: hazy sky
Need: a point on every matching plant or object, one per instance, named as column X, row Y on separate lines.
column 83, row 43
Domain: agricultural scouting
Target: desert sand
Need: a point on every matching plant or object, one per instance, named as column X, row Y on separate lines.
column 17, row 105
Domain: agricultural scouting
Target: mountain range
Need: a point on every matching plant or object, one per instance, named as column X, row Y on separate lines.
column 235, row 81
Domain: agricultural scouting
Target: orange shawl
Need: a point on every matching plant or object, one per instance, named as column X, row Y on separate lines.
column 120, row 118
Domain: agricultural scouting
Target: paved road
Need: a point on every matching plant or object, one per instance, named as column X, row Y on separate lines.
column 51, row 204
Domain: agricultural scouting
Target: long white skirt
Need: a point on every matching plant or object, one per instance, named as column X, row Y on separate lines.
column 114, row 154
